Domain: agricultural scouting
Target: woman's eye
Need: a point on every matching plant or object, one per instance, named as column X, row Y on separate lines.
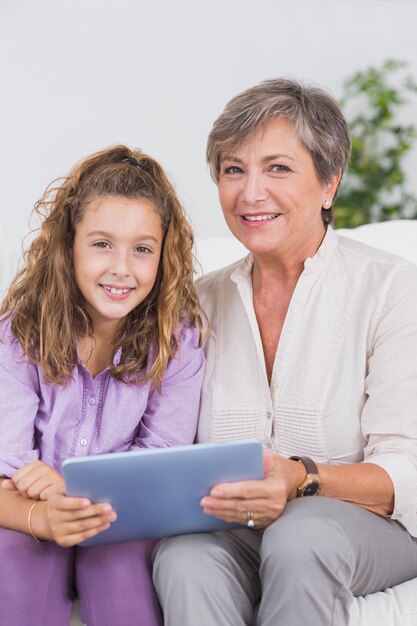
column 101, row 244
column 232, row 169
column 279, row 168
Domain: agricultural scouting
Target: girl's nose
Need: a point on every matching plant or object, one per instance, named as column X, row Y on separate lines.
column 120, row 264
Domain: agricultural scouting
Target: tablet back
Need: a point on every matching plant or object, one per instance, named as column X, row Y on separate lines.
column 157, row 493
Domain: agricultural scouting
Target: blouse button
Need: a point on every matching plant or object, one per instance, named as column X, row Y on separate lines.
column 92, row 401
column 83, row 442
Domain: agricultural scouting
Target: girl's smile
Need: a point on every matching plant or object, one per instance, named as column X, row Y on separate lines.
column 117, row 293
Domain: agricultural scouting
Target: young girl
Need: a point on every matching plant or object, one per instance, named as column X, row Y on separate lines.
column 99, row 352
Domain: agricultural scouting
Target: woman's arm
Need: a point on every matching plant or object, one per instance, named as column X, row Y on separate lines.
column 364, row 484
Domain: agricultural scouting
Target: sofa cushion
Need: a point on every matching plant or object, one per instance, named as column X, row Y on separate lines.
column 393, row 607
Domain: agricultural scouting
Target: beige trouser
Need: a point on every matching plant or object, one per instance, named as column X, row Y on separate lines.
column 304, row 569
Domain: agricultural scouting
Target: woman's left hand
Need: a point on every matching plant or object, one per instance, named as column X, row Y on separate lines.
column 265, row 499
column 35, row 480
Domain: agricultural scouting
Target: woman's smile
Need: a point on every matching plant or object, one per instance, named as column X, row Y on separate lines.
column 256, row 220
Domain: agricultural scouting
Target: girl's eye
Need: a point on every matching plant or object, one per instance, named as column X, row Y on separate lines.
column 279, row 168
column 101, row 244
column 232, row 169
column 143, row 250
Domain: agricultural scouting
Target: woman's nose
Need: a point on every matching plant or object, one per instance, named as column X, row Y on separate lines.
column 254, row 189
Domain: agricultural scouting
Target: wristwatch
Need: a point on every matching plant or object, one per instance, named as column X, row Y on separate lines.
column 312, row 482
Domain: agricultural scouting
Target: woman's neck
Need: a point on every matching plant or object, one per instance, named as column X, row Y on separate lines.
column 283, row 267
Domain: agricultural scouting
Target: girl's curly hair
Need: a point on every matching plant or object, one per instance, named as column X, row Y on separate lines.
column 46, row 307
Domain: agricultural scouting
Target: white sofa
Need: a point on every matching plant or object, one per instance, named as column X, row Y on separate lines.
column 392, row 607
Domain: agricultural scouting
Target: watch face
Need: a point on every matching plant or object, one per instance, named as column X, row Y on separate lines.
column 311, row 489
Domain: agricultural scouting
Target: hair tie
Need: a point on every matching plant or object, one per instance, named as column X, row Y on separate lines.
column 132, row 161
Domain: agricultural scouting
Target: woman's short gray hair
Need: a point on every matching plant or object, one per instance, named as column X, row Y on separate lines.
column 315, row 116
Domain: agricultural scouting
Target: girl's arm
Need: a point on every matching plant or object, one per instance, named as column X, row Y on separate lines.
column 65, row 520
column 35, row 480
column 171, row 415
column 20, row 394
column 14, row 510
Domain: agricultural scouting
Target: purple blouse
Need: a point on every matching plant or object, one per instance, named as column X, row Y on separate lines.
column 93, row 415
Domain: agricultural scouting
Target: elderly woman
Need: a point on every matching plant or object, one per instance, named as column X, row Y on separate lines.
column 312, row 351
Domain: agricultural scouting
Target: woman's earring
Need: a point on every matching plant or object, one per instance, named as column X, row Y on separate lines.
column 327, row 204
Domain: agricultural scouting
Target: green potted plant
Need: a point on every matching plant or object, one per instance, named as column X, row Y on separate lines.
column 374, row 188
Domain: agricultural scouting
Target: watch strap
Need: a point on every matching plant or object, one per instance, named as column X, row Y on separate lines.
column 311, row 484
column 308, row 463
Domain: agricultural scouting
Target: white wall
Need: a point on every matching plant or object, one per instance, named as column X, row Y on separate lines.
column 79, row 75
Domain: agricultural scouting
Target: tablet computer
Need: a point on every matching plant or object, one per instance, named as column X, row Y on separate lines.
column 157, row 492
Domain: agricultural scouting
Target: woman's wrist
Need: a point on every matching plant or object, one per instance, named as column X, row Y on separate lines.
column 297, row 475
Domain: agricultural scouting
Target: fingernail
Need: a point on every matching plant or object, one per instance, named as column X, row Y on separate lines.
column 106, row 508
column 217, row 493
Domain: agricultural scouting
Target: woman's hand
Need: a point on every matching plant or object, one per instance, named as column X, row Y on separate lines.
column 265, row 499
column 35, row 480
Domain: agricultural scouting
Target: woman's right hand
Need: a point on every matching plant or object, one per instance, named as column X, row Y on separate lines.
column 69, row 520
column 264, row 500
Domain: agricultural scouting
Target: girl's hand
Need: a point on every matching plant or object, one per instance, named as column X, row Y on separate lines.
column 35, row 480
column 69, row 520
column 265, row 499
